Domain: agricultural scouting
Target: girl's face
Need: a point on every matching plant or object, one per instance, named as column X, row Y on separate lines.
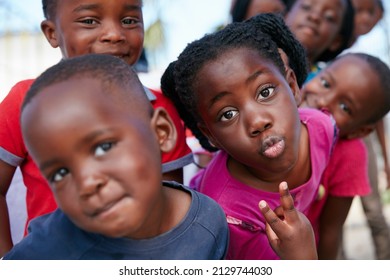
column 349, row 89
column 367, row 14
column 101, row 162
column 316, row 24
column 97, row 26
column 264, row 6
column 248, row 109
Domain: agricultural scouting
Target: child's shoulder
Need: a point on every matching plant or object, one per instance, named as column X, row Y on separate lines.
column 201, row 205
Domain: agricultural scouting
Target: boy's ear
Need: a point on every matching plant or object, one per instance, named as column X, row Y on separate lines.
column 165, row 129
column 49, row 30
column 206, row 132
column 293, row 84
column 361, row 132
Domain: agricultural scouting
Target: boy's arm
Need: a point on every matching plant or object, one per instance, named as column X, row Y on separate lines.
column 380, row 132
column 6, row 174
column 288, row 230
column 332, row 219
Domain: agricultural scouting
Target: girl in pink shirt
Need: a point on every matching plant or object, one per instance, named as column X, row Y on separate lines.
column 234, row 91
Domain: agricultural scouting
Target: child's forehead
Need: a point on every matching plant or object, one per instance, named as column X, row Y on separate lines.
column 350, row 61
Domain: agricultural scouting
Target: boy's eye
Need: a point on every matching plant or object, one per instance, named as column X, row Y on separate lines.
column 59, row 175
column 101, row 149
column 89, row 21
column 266, row 93
column 228, row 115
column 325, row 83
column 345, row 108
column 129, row 21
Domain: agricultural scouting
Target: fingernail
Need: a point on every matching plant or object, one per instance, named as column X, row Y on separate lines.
column 262, row 204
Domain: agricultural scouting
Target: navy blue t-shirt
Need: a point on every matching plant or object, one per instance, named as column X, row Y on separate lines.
column 202, row 234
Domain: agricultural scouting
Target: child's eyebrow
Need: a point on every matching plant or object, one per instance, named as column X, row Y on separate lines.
column 250, row 79
column 83, row 7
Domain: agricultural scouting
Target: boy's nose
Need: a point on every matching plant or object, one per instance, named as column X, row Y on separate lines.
column 90, row 183
column 113, row 32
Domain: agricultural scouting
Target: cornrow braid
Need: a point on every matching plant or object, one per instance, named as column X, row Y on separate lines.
column 180, row 78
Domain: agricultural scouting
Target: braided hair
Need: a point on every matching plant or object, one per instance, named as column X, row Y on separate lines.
column 264, row 33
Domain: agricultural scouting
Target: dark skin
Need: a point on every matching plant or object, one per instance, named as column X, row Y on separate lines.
column 337, row 90
column 109, row 166
column 5, row 232
column 316, row 23
column 249, row 107
column 81, row 27
column 289, row 231
column 100, row 26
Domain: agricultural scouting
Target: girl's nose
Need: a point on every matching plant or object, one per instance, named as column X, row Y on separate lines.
column 258, row 121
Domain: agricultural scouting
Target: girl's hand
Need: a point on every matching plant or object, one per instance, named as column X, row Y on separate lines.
column 289, row 231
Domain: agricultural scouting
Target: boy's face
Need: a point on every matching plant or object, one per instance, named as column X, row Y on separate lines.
column 248, row 109
column 97, row 26
column 316, row 24
column 101, row 158
column 349, row 90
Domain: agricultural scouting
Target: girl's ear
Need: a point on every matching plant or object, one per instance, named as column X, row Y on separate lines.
column 165, row 130
column 49, row 30
column 293, row 84
column 206, row 132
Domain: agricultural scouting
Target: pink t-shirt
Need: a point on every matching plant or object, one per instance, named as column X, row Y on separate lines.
column 345, row 176
column 248, row 239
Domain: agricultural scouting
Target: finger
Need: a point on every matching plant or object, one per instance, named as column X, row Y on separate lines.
column 287, row 203
column 271, row 218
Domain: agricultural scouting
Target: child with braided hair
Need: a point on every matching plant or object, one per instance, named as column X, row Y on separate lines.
column 236, row 94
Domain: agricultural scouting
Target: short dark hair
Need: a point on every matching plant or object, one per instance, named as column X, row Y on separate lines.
column 108, row 69
column 49, row 8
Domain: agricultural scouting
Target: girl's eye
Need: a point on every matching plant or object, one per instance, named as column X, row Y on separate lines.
column 266, row 93
column 330, row 17
column 345, row 108
column 103, row 148
column 59, row 175
column 228, row 115
column 325, row 83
